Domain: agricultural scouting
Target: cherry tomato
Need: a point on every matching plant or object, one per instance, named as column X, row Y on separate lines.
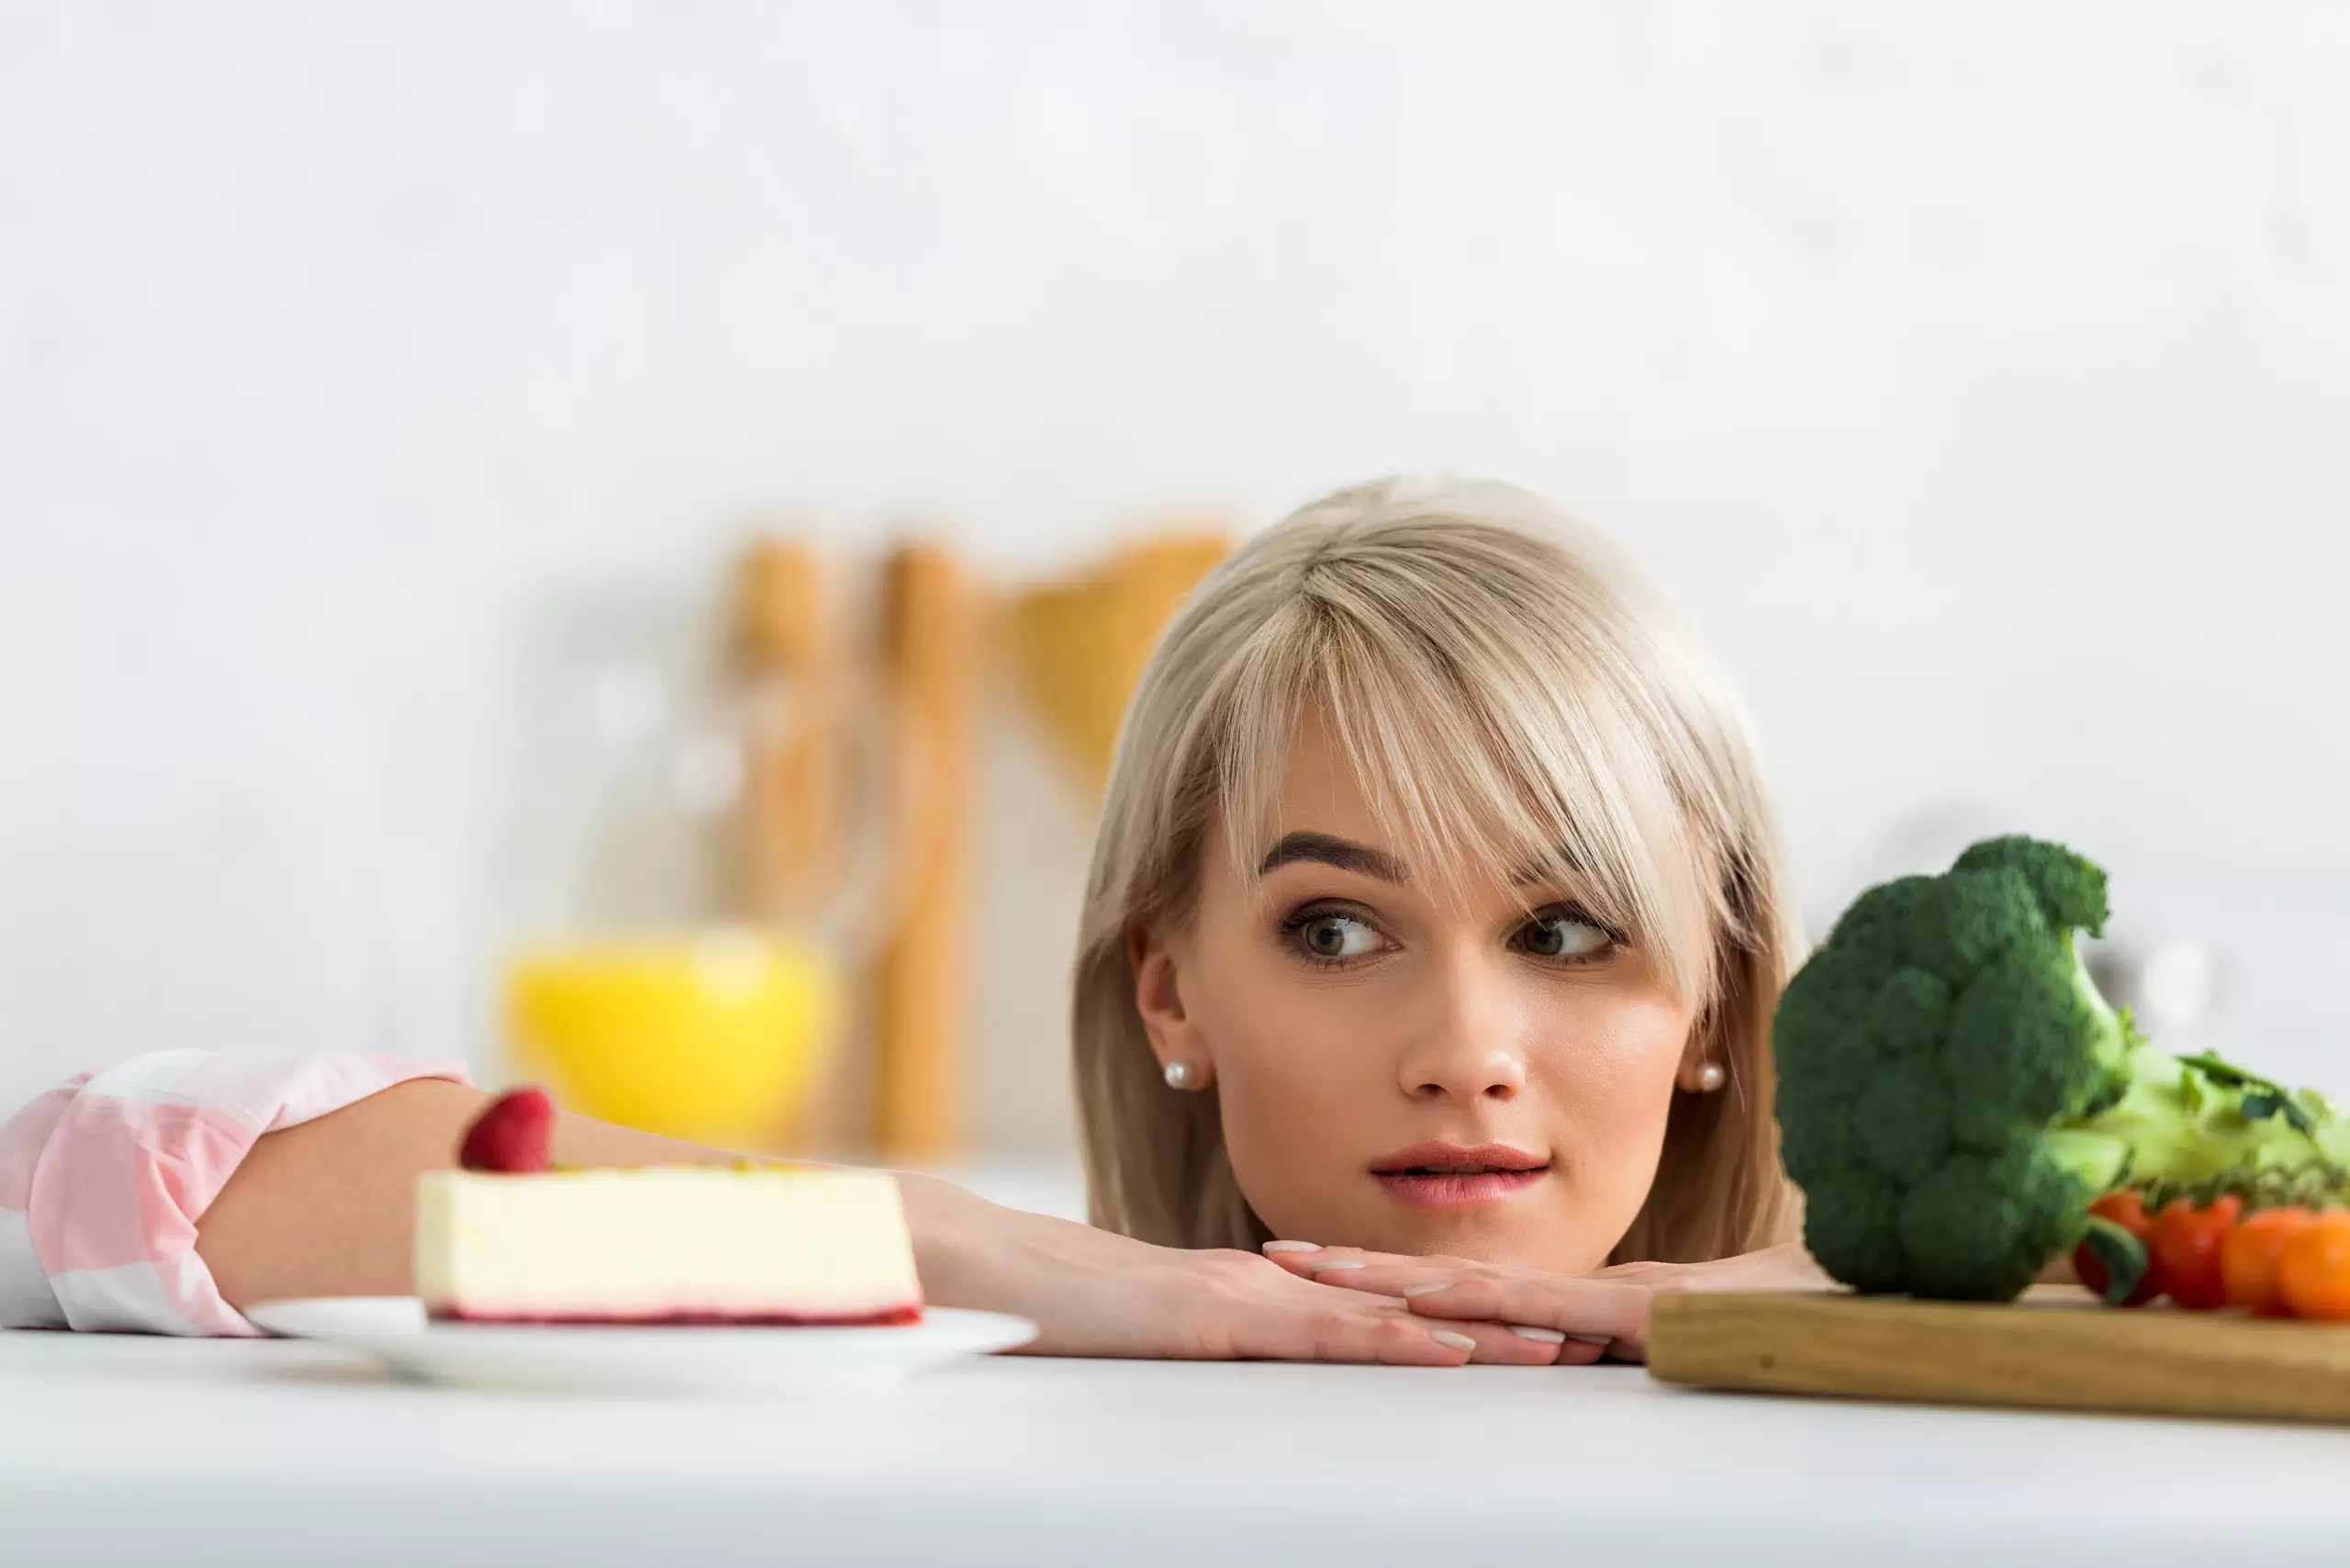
column 2252, row 1254
column 2314, row 1272
column 2127, row 1210
column 2185, row 1251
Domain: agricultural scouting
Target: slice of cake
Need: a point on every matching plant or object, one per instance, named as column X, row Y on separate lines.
column 686, row 1244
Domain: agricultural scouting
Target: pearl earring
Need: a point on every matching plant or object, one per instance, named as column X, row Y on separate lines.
column 1179, row 1075
column 1710, row 1077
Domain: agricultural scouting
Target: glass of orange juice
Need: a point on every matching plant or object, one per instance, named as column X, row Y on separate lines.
column 702, row 849
column 716, row 1035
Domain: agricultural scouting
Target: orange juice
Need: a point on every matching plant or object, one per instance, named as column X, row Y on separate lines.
column 715, row 1036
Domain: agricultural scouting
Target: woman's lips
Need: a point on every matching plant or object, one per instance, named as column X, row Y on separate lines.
column 1451, row 1175
column 1452, row 1189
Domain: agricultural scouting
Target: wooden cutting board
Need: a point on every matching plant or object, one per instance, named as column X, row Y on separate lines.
column 2057, row 1348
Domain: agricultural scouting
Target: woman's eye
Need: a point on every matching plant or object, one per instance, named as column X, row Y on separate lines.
column 1562, row 936
column 1337, row 936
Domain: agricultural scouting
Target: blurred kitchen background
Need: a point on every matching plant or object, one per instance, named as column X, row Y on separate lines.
column 490, row 491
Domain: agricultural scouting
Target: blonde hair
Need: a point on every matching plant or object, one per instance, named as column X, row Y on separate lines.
column 1512, row 695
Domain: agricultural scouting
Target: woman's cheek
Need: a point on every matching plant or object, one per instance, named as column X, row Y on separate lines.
column 1297, row 1075
column 1612, row 1074
column 1297, row 1059
column 1624, row 1039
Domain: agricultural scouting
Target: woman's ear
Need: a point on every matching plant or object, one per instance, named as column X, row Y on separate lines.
column 1158, row 998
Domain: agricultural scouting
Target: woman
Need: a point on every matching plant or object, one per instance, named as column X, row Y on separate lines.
column 1433, row 932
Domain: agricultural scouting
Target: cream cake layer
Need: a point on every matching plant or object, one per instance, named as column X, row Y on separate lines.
column 703, row 1244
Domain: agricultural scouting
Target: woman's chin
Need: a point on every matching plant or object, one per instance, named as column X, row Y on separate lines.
column 1522, row 1231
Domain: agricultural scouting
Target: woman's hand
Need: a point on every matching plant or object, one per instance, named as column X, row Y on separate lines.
column 1607, row 1312
column 1093, row 1293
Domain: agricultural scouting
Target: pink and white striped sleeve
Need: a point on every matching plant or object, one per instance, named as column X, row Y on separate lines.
column 103, row 1179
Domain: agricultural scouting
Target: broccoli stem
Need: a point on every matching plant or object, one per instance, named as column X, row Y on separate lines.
column 2184, row 1125
column 2101, row 1159
column 2198, row 1123
column 2118, row 1038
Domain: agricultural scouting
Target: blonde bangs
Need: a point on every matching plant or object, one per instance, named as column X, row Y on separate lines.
column 1490, row 748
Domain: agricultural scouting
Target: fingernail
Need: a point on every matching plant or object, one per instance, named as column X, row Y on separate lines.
column 1292, row 1246
column 1427, row 1289
column 1339, row 1263
column 1593, row 1338
column 1539, row 1336
column 1447, row 1337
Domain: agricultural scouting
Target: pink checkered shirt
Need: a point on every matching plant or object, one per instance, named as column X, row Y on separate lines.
column 103, row 1179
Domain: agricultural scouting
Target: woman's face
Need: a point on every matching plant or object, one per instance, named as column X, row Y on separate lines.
column 1485, row 1076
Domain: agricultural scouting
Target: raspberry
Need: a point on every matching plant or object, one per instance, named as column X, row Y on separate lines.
column 515, row 1134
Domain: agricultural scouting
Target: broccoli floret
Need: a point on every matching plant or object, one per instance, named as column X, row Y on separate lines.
column 1954, row 1091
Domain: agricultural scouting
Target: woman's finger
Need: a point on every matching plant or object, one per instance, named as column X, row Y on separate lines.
column 1488, row 1343
column 1339, row 1331
column 1582, row 1307
column 1252, row 1310
column 1509, row 1339
column 1384, row 1274
column 1499, row 1344
column 1572, row 1352
column 1309, row 1261
column 1393, row 1276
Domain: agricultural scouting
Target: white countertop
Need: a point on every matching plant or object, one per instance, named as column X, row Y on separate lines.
column 117, row 1450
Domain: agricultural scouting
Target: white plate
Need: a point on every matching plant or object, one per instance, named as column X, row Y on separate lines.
column 719, row 1361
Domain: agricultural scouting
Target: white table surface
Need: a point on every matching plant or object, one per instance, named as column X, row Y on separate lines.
column 117, row 1450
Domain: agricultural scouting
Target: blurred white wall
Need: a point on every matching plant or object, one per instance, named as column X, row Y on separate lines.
column 1978, row 371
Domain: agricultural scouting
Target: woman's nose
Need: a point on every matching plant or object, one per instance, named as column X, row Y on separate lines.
column 1467, row 1047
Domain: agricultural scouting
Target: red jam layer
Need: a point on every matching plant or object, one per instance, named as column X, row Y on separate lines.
column 896, row 1316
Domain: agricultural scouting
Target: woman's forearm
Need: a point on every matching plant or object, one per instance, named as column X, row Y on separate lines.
column 328, row 1207
column 971, row 1252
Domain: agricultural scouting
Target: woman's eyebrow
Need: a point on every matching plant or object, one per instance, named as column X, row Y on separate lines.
column 1330, row 850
